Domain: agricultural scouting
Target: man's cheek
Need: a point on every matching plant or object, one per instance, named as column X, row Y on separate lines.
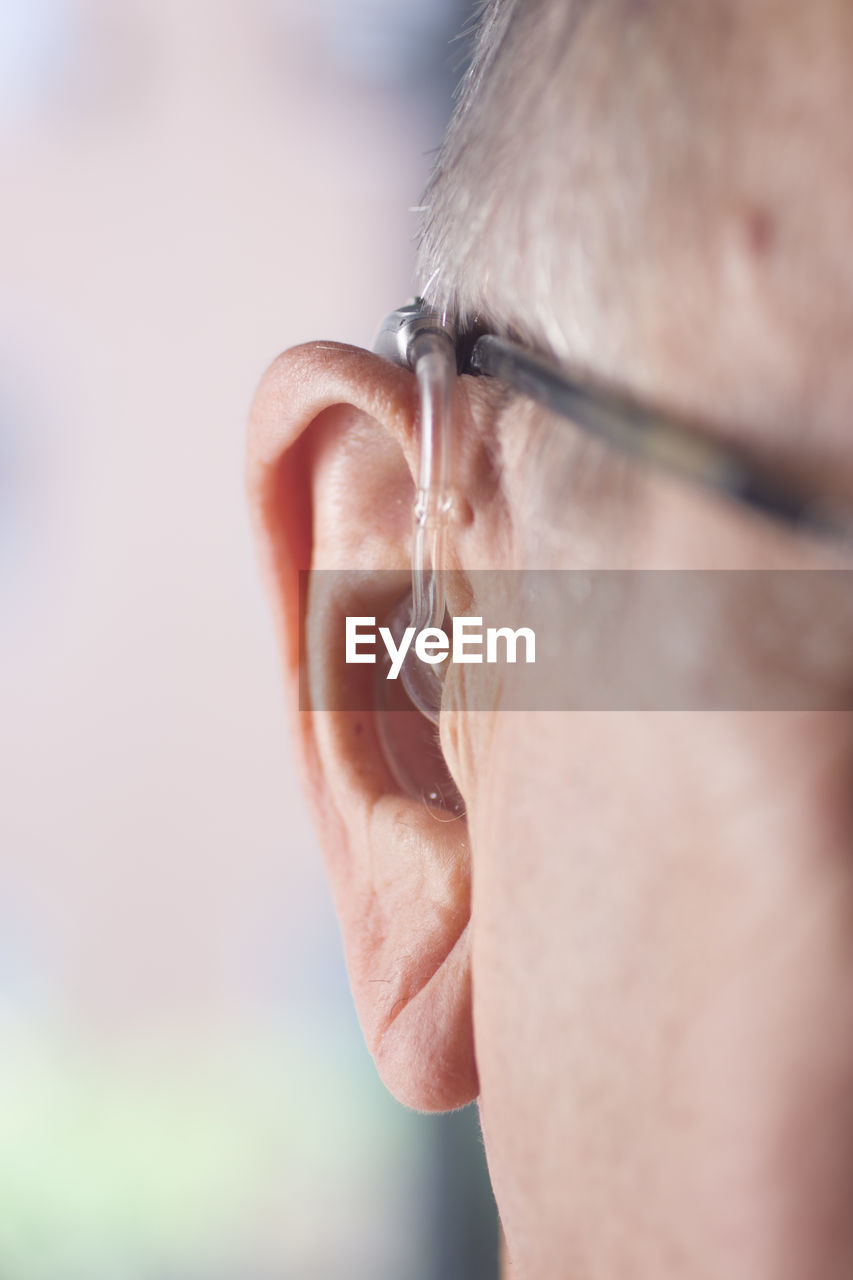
column 664, row 969
column 763, row 1075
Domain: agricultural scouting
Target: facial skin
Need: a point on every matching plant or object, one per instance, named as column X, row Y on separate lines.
column 638, row 949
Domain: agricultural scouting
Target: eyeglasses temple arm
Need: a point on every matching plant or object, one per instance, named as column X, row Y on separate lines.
column 654, row 437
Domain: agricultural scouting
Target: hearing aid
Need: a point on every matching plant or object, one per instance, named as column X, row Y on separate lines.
column 416, row 338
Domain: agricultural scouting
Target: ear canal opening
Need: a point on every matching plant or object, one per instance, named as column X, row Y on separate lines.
column 406, row 714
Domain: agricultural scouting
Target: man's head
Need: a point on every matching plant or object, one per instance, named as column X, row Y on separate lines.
column 637, row 947
column 634, row 186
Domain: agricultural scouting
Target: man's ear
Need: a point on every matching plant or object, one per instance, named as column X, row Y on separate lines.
column 332, row 453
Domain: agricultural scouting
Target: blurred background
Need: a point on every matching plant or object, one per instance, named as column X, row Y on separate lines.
column 188, row 188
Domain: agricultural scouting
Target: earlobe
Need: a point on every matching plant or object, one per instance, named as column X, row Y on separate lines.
column 331, row 457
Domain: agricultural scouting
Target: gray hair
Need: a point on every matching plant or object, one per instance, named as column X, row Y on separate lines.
column 487, row 242
column 591, row 139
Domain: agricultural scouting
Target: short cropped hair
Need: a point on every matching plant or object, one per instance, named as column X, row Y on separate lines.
column 599, row 143
column 483, row 208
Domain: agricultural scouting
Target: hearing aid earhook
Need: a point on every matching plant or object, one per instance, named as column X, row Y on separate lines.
column 415, row 337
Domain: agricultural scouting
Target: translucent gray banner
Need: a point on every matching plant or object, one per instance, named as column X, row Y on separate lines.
column 602, row 640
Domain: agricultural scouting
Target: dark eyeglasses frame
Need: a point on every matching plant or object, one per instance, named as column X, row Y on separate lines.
column 641, row 431
column 662, row 441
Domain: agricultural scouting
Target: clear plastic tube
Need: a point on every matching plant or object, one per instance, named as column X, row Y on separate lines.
column 434, row 359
